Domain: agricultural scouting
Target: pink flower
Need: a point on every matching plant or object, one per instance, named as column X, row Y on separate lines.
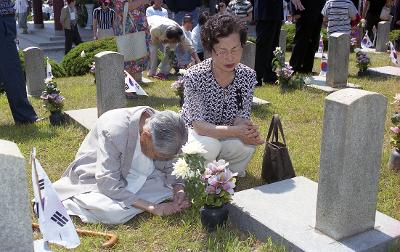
column 395, row 130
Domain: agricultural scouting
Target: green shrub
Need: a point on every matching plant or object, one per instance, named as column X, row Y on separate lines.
column 22, row 59
column 57, row 70
column 75, row 65
column 393, row 35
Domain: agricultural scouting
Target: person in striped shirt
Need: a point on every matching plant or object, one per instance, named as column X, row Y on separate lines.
column 241, row 8
column 338, row 14
column 103, row 21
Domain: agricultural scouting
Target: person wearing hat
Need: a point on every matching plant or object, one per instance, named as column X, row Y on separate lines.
column 103, row 21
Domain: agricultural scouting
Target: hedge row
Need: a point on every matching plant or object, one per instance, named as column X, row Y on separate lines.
column 74, row 64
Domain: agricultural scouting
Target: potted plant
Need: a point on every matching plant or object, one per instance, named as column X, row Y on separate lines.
column 53, row 102
column 287, row 79
column 219, row 183
column 210, row 187
column 394, row 161
column 363, row 62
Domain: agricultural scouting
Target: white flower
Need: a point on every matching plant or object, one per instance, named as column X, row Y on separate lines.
column 307, row 80
column 181, row 169
column 182, row 71
column 194, row 147
column 83, row 54
column 357, row 50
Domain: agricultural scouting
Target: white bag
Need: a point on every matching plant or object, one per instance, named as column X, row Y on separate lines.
column 132, row 45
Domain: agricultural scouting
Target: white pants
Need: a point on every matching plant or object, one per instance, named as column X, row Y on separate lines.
column 104, row 33
column 165, row 65
column 232, row 150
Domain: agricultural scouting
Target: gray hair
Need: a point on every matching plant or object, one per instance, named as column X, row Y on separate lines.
column 168, row 132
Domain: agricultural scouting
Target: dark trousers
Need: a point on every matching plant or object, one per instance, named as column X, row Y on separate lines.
column 305, row 44
column 72, row 36
column 267, row 40
column 371, row 21
column 11, row 73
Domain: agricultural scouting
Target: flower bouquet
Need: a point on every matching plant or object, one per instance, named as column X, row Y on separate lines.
column 53, row 102
column 287, row 79
column 363, row 62
column 394, row 161
column 210, row 186
column 178, row 87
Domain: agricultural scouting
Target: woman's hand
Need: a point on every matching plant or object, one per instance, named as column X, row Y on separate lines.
column 248, row 132
column 167, row 208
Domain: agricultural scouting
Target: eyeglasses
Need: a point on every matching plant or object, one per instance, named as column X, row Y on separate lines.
column 224, row 53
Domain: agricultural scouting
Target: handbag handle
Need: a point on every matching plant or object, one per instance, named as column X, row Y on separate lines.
column 274, row 129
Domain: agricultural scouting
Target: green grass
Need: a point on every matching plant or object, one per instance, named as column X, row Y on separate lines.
column 301, row 112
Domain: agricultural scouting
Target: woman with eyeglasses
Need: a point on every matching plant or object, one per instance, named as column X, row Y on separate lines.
column 218, row 95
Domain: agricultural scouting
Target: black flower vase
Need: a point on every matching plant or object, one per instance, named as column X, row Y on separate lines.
column 181, row 100
column 394, row 160
column 57, row 118
column 213, row 217
column 362, row 73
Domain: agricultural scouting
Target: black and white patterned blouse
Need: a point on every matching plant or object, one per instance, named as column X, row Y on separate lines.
column 205, row 100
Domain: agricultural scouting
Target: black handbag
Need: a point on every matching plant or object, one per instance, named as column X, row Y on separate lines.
column 276, row 165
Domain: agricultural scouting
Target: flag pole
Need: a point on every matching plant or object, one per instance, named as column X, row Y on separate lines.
column 33, row 158
column 33, row 162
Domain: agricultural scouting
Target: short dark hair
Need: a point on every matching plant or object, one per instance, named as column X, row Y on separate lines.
column 187, row 19
column 70, row 1
column 221, row 26
column 203, row 17
column 174, row 32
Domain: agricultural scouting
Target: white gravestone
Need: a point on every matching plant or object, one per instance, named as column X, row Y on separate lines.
column 338, row 60
column 351, row 150
column 34, row 70
column 382, row 36
column 15, row 219
column 110, row 81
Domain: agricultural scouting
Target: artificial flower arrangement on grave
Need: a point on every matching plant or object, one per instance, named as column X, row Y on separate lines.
column 178, row 87
column 287, row 79
column 53, row 101
column 394, row 161
column 210, row 186
column 363, row 61
column 353, row 44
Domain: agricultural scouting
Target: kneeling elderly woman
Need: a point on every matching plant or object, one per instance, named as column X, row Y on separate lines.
column 122, row 168
column 218, row 95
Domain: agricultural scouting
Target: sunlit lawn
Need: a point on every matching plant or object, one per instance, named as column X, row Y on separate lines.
column 301, row 112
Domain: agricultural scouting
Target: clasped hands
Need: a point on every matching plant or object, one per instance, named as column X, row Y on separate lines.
column 179, row 202
column 248, row 132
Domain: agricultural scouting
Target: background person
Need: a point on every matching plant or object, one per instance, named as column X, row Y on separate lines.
column 123, row 167
column 196, row 35
column 268, row 15
column 242, row 8
column 166, row 34
column 183, row 56
column 68, row 19
column 218, row 93
column 371, row 13
column 156, row 10
column 10, row 67
column 103, row 21
column 338, row 14
column 22, row 12
column 308, row 18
